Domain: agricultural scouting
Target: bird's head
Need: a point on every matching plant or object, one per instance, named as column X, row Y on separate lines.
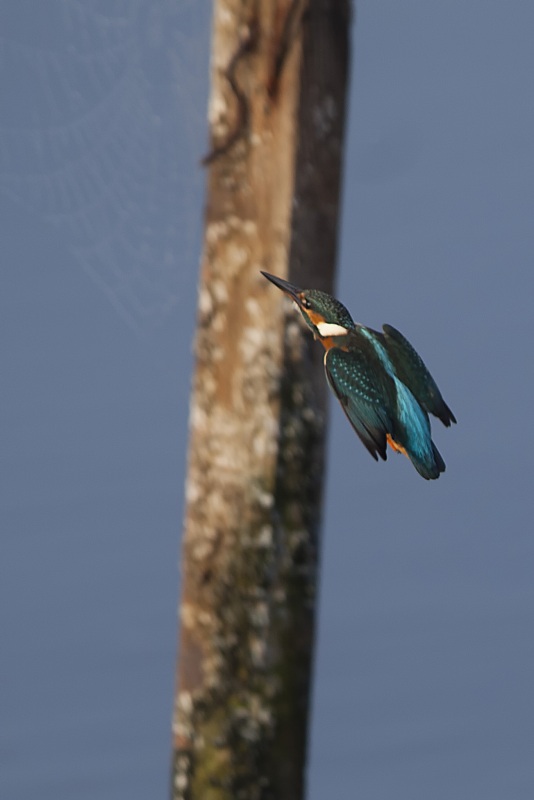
column 325, row 315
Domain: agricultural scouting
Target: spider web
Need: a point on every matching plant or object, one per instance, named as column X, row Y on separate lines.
column 103, row 129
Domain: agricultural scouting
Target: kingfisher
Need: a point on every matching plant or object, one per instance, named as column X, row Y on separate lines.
column 382, row 383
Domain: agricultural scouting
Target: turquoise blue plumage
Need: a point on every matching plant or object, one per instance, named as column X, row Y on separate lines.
column 380, row 380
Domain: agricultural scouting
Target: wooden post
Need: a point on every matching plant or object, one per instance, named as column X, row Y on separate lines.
column 257, row 419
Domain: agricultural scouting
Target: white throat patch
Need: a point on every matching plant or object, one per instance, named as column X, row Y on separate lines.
column 331, row 329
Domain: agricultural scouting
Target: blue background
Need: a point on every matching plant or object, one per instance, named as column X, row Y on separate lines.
column 425, row 662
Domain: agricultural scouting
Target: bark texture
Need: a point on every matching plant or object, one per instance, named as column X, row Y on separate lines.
column 257, row 424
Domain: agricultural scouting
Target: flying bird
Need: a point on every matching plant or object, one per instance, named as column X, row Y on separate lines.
column 382, row 383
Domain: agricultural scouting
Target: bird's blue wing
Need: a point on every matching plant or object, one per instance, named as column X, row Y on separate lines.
column 366, row 399
column 411, row 370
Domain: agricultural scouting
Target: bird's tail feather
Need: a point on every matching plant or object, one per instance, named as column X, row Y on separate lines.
column 429, row 467
column 416, row 437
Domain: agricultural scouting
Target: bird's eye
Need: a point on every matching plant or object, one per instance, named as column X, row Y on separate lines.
column 306, row 303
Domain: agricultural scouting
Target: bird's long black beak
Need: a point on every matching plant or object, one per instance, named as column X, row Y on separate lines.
column 285, row 286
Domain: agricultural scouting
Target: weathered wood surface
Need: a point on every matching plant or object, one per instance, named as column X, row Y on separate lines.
column 258, row 408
